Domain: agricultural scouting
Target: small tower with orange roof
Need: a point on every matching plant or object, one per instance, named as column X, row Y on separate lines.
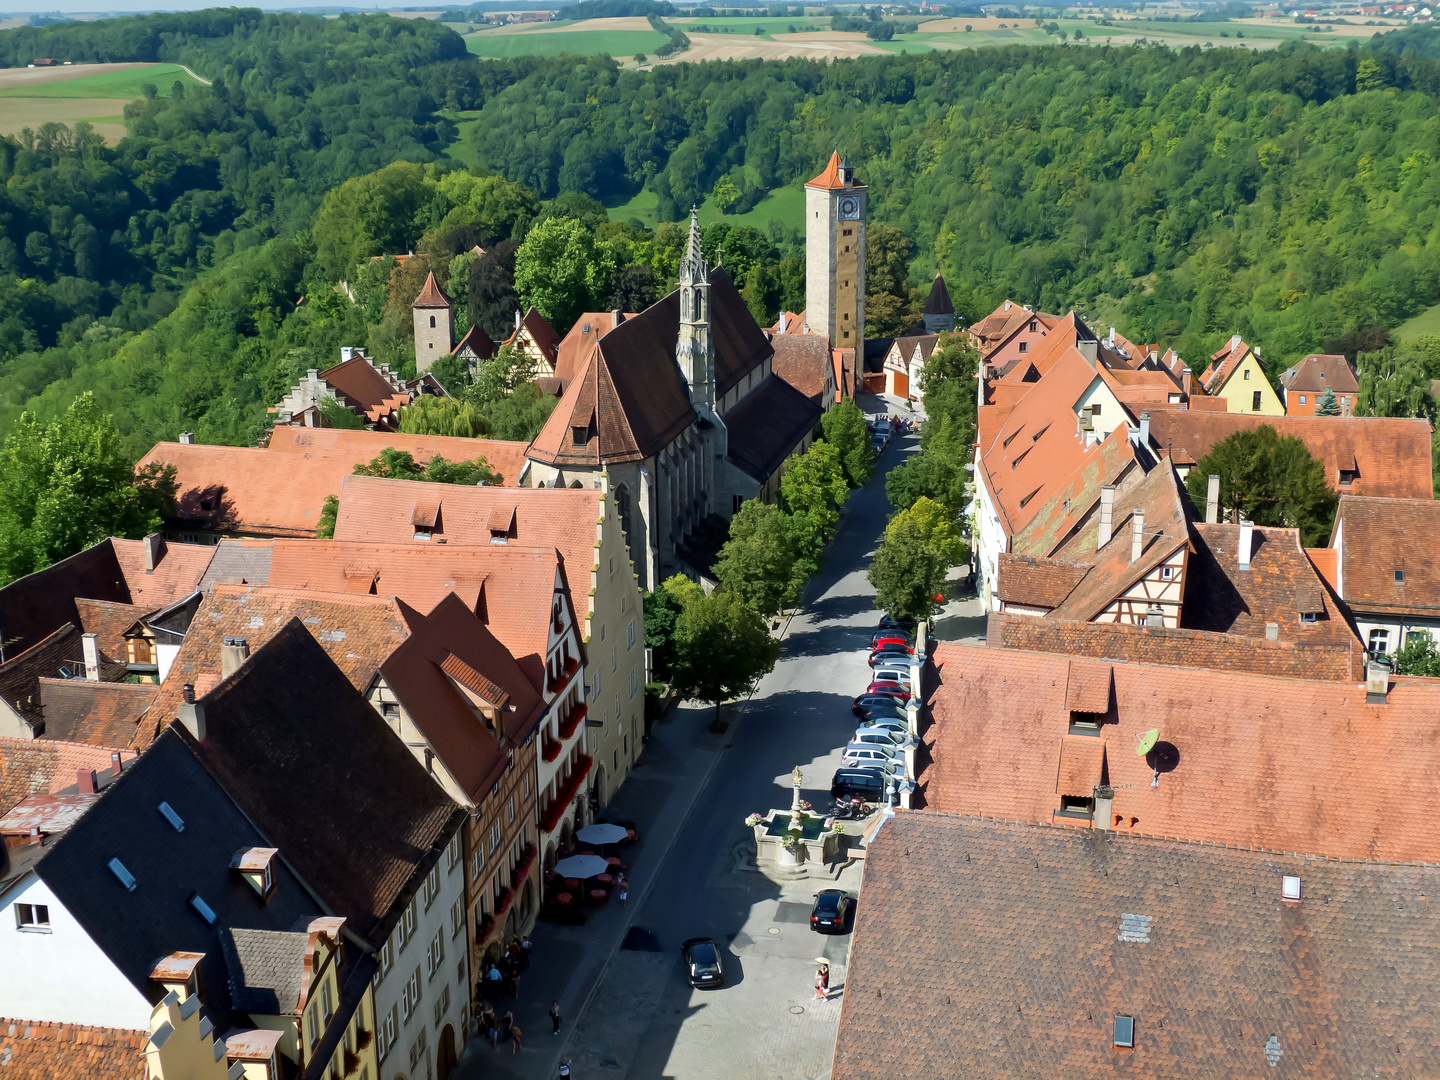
column 434, row 325
column 835, row 255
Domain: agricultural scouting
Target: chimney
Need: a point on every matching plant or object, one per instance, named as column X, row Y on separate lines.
column 1107, row 516
column 154, row 550
column 1137, row 534
column 1272, row 631
column 192, row 715
column 1234, row 341
column 1090, row 350
column 1377, row 683
column 1101, row 818
column 233, row 653
column 1247, row 530
column 1145, row 429
column 1185, row 380
column 117, row 763
column 517, row 320
column 187, row 693
column 616, row 318
column 312, row 374
column 1212, row 499
column 187, row 438
column 85, row 780
column 92, row 657
column 347, row 353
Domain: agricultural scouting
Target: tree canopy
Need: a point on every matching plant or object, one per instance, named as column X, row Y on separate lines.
column 1269, row 479
column 722, row 649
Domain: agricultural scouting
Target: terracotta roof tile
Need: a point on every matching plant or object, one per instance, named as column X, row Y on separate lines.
column 1245, row 759
column 108, row 621
column 1390, row 457
column 1223, row 364
column 1378, row 538
column 176, row 575
column 20, row 675
column 576, row 346
column 999, row 949
column 365, row 390
column 830, row 177
column 1326, row 562
column 476, row 340
column 95, row 713
column 1032, row 582
column 1088, row 687
column 1333, row 661
column 1082, row 765
column 1319, row 372
column 802, row 360
column 39, row 1050
column 1076, row 501
column 430, row 295
column 44, row 767
column 280, row 490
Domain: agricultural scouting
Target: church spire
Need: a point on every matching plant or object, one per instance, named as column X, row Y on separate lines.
column 694, row 349
column 693, row 266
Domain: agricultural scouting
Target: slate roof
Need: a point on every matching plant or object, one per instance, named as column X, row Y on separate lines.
column 137, row 928
column 1391, row 456
column 1248, row 759
column 358, row 631
column 1307, row 658
column 43, row 767
column 1379, row 537
column 20, row 675
column 938, row 302
column 998, row 949
column 452, row 643
column 632, row 390
column 95, row 713
column 315, row 767
column 38, row 1050
column 766, row 426
column 264, row 969
column 1319, row 372
column 240, row 561
column 803, row 361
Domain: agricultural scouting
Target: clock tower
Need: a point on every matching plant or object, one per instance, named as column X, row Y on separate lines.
column 835, row 256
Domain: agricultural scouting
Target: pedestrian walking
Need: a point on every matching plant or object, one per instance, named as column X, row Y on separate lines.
column 564, row 1066
column 507, row 1025
column 514, row 986
column 822, row 981
column 525, row 954
column 624, row 890
column 555, row 1016
column 515, row 1043
column 494, row 1033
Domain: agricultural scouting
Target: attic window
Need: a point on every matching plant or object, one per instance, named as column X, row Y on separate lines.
column 1347, row 477
column 1399, row 577
column 1021, row 457
column 1008, row 441
column 1024, row 346
column 205, row 505
column 126, row 878
column 1026, row 500
column 204, row 910
column 1247, row 373
column 579, row 436
column 1034, row 325
column 171, row 816
column 1309, row 616
column 1125, row 1032
column 1167, row 573
column 1036, row 436
column 1075, row 807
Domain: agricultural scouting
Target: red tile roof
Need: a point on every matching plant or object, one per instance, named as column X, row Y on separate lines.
column 364, row 389
column 996, row 949
column 1319, row 372
column 338, row 445
column 108, row 621
column 830, row 177
column 803, row 361
column 20, row 674
column 1378, row 538
column 1076, row 501
column 1032, row 582
column 1223, row 364
column 95, row 713
column 575, row 347
column 1391, row 457
column 476, row 340
column 1257, row 761
column 176, row 575
column 39, row 1050
column 430, row 295
column 45, row 767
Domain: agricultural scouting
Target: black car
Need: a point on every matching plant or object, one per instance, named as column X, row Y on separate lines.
column 868, row 701
column 896, row 653
column 831, row 912
column 907, row 625
column 867, row 784
column 703, row 966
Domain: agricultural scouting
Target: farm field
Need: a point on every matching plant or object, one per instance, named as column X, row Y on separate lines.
column 1427, row 322
column 619, row 38
column 785, row 205
column 97, row 93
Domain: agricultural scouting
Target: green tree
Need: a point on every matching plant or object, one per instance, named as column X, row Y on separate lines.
column 1269, row 480
column 812, row 490
column 561, row 271
column 430, row 415
column 757, row 563
column 401, row 465
column 376, row 214
column 1329, row 404
column 68, row 484
column 1418, row 656
column 329, row 515
column 501, row 375
column 722, row 649
column 937, row 525
column 1393, row 382
column 891, row 306
column 845, row 429
column 337, row 415
column 908, row 572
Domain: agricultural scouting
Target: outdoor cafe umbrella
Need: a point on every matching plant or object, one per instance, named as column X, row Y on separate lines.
column 601, row 833
column 581, row 866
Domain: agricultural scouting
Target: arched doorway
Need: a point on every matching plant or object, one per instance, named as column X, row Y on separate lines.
column 445, row 1053
column 510, row 924
column 550, row 859
column 600, row 784
column 565, row 837
column 527, row 900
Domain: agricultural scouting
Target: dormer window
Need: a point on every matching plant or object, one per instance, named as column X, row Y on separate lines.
column 1309, row 616
column 256, row 866
column 579, row 436
column 1347, row 477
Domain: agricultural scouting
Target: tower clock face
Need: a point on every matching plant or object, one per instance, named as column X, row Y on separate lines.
column 849, row 208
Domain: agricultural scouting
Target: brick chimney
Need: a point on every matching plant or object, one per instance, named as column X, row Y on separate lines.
column 1107, row 516
column 1102, row 816
column 92, row 657
column 117, row 763
column 1212, row 499
column 233, row 653
column 1137, row 534
column 1247, row 536
column 85, row 781
column 154, row 551
column 1377, row 683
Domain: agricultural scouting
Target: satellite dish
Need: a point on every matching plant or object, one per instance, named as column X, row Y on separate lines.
column 1146, row 741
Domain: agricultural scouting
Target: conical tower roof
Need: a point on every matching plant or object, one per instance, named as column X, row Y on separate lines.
column 938, row 302
column 430, row 295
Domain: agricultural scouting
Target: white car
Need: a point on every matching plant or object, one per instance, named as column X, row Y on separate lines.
column 885, row 723
column 882, row 737
column 891, row 674
column 863, row 754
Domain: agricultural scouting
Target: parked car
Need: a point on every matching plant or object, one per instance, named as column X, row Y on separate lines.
column 890, row 709
column 894, row 689
column 891, row 656
column 703, row 965
column 902, row 623
column 872, row 755
column 881, row 703
column 879, row 737
column 863, row 782
column 885, row 723
column 892, row 672
column 881, row 638
column 831, row 913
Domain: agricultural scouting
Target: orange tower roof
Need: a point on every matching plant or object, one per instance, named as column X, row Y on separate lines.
column 831, row 178
column 430, row 295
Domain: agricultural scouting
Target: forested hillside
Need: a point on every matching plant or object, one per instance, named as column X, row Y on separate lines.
column 1287, row 195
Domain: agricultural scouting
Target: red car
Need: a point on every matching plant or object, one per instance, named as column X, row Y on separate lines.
column 893, row 689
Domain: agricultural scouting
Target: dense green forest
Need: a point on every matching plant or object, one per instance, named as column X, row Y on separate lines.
column 187, row 276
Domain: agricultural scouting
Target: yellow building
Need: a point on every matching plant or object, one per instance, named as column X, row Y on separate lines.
column 1235, row 374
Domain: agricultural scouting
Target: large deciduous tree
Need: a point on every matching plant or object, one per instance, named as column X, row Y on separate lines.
column 1268, row 479
column 757, row 563
column 891, row 306
column 813, row 489
column 722, row 649
column 846, row 430
column 561, row 271
column 401, row 465
column 68, row 484
column 908, row 571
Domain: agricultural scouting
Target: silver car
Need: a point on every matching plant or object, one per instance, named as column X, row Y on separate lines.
column 885, row 723
column 880, row 737
column 867, row 754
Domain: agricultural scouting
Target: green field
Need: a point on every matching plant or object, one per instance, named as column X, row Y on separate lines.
column 748, row 26
column 504, row 44
column 461, row 149
column 1427, row 322
column 112, row 84
column 785, row 205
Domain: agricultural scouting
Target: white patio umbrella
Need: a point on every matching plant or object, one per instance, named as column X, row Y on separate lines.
column 601, row 833
column 581, row 866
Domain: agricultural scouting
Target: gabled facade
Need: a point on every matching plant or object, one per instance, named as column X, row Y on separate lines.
column 1385, row 569
column 1303, row 387
column 537, row 339
column 1236, row 375
column 905, row 365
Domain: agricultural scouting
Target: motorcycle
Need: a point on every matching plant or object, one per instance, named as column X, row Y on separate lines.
column 854, row 809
